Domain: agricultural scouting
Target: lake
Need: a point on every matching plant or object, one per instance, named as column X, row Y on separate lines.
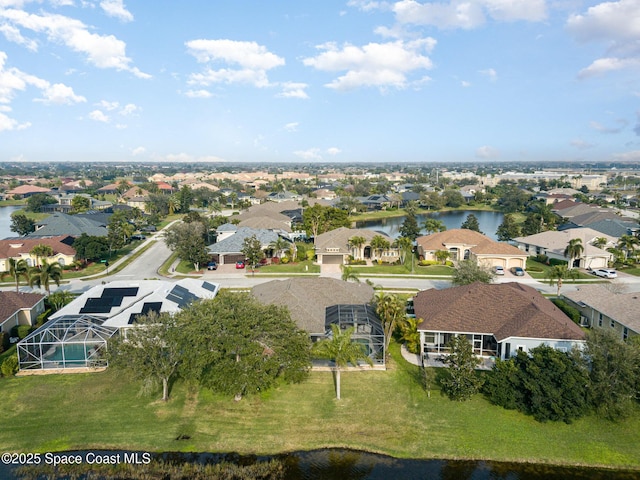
column 5, row 221
column 489, row 221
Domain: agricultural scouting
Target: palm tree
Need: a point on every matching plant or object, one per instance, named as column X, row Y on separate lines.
column 339, row 348
column 379, row 244
column 559, row 273
column 600, row 242
column 357, row 242
column 431, row 225
column 441, row 256
column 405, row 246
column 45, row 274
column 41, row 251
column 173, row 204
column 279, row 245
column 17, row 269
column 573, row 250
column 348, row 273
column 392, row 310
column 628, row 244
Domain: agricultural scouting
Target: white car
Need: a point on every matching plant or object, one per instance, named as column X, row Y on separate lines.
column 606, row 273
column 498, row 270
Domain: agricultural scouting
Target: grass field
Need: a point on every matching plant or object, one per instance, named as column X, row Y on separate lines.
column 437, row 270
column 386, row 412
column 297, row 267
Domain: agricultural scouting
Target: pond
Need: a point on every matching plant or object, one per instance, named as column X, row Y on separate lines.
column 352, row 464
column 5, row 221
column 489, row 221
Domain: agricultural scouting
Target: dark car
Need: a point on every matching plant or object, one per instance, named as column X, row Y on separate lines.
column 239, row 264
column 517, row 271
column 212, row 266
column 138, row 237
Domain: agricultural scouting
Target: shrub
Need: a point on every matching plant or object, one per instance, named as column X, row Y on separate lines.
column 557, row 261
column 571, row 312
column 4, row 341
column 20, row 331
column 10, row 366
column 426, row 263
column 541, row 258
column 284, row 260
column 43, row 317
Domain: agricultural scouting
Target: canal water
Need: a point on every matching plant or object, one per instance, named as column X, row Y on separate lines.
column 489, row 222
column 5, row 221
column 342, row 464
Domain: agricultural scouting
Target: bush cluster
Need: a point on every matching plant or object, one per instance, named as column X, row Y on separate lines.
column 569, row 311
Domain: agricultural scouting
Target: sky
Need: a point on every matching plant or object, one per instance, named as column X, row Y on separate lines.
column 319, row 81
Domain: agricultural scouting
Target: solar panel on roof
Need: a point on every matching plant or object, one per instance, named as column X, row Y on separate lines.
column 96, row 309
column 181, row 296
column 208, row 286
column 146, row 308
column 120, row 292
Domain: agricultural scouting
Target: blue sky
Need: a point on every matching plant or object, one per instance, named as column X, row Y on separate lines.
column 319, row 80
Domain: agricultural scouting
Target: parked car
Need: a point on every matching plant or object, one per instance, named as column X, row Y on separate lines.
column 517, row 271
column 212, row 266
column 138, row 237
column 239, row 264
column 498, row 270
column 606, row 273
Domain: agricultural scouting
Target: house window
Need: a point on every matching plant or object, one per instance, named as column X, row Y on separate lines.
column 625, row 333
column 522, row 348
column 333, row 249
column 429, row 337
column 599, row 319
column 613, row 324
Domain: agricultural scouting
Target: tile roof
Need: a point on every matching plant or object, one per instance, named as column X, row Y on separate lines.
column 26, row 189
column 11, row 302
column 235, row 242
column 504, row 310
column 75, row 225
column 622, row 307
column 557, row 241
column 339, row 238
column 14, row 247
column 480, row 244
column 307, row 298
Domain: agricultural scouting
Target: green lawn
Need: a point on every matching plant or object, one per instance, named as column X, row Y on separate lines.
column 439, row 270
column 297, row 267
column 386, row 412
column 540, row 271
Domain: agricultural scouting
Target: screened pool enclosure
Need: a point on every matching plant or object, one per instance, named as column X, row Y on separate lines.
column 69, row 341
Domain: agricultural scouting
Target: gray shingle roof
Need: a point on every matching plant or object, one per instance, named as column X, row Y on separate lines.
column 622, row 307
column 74, row 225
column 235, row 242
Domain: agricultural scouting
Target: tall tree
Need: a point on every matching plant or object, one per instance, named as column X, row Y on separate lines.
column 405, row 248
column 39, row 200
column 21, row 224
column 379, row 244
column 471, row 223
column 235, row 345
column 279, row 245
column 468, row 272
column 441, row 256
column 349, row 274
column 410, row 228
column 41, row 251
column 17, row 269
column 508, row 229
column 252, row 251
column 60, row 298
column 628, row 244
column 80, row 203
column 432, row 225
column 461, row 381
column 152, row 351
column 573, row 250
column 391, row 310
column 186, row 239
column 45, row 274
column 340, row 349
column 614, row 374
column 357, row 242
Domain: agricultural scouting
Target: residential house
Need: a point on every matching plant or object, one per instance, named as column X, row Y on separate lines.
column 19, row 309
column 26, row 191
column 136, row 197
column 324, row 194
column 334, row 247
column 65, row 203
column 76, row 336
column 497, row 319
column 317, row 303
column 93, row 224
column 601, row 306
column 228, row 250
column 20, row 249
column 375, row 202
column 464, row 244
column 553, row 244
column 283, row 197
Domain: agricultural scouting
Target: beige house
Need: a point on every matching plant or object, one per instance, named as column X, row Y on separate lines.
column 20, row 249
column 464, row 244
column 334, row 247
column 19, row 309
column 553, row 243
column 601, row 306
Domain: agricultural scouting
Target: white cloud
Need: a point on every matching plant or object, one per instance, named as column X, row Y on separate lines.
column 617, row 25
column 98, row 116
column 198, row 94
column 581, row 144
column 309, row 154
column 103, row 51
column 12, row 34
column 628, row 156
column 622, row 123
column 465, row 84
column 291, row 127
column 251, row 62
column 7, row 124
column 116, row 8
column 60, row 94
column 379, row 65
column 368, row 5
column 487, row 152
column 109, row 106
column 293, row 90
column 128, row 109
column 490, row 73
column 468, row 14
column 333, row 151
column 138, row 151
